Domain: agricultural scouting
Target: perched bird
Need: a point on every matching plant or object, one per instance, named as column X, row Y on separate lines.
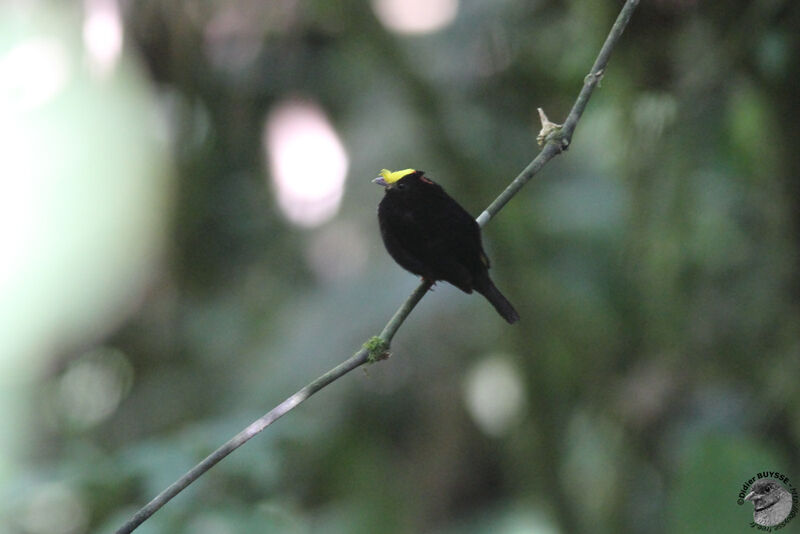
column 431, row 235
column 772, row 503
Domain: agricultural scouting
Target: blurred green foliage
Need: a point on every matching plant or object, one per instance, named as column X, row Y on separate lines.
column 654, row 266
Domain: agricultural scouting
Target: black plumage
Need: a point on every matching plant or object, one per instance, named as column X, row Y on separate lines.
column 431, row 235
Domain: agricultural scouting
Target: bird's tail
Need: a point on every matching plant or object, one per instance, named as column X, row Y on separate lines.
column 500, row 302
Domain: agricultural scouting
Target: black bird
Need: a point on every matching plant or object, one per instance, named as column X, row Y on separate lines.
column 771, row 502
column 431, row 235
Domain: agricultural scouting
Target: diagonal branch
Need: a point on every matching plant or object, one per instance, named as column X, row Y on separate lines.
column 377, row 347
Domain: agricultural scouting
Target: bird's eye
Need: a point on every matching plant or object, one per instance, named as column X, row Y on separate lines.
column 401, row 185
column 767, row 489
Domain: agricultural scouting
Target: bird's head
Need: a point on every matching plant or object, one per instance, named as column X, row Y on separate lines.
column 765, row 493
column 400, row 179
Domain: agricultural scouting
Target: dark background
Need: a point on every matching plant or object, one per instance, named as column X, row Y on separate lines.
column 179, row 290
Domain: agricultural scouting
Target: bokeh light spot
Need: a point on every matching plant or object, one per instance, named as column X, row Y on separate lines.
column 54, row 508
column 93, row 386
column 494, row 394
column 102, row 34
column 31, row 74
column 308, row 162
column 415, row 16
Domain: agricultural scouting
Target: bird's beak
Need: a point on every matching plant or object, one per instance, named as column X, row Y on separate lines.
column 749, row 496
column 380, row 181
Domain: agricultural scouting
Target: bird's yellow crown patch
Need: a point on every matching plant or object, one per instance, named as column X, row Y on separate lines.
column 391, row 177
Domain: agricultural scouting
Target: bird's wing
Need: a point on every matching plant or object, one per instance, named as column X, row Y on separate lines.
column 454, row 245
column 460, row 236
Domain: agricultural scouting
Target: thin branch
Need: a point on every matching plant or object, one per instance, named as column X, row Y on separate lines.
column 378, row 347
column 400, row 315
column 557, row 144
